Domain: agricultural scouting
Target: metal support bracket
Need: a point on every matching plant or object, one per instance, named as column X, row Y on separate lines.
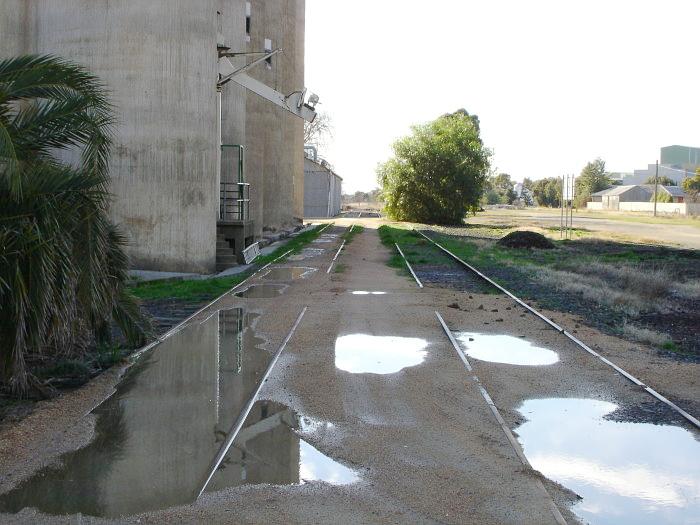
column 294, row 102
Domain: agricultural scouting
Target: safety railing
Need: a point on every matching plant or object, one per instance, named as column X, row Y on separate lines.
column 234, row 202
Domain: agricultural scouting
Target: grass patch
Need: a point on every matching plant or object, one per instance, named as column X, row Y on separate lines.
column 340, row 268
column 349, row 235
column 207, row 289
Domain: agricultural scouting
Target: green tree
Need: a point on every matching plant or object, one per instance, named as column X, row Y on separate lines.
column 691, row 186
column 437, row 174
column 499, row 189
column 661, row 196
column 547, row 192
column 593, row 178
column 62, row 265
column 663, row 180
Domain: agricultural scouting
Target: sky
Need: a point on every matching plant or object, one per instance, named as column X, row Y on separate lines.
column 555, row 83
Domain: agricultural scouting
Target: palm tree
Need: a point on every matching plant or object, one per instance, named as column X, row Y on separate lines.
column 62, row 264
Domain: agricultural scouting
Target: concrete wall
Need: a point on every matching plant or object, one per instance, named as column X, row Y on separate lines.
column 320, row 184
column 675, row 208
column 159, row 60
column 233, row 96
column 274, row 138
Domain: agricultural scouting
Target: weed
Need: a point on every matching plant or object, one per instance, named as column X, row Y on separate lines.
column 207, row 289
column 644, row 335
column 349, row 235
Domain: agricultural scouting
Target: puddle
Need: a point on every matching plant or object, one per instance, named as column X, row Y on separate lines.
column 505, row 349
column 156, row 436
column 626, row 473
column 268, row 450
column 369, row 354
column 363, row 292
column 288, row 273
column 262, row 291
column 307, row 253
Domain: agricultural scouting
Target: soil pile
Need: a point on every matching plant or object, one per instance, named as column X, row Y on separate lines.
column 526, row 239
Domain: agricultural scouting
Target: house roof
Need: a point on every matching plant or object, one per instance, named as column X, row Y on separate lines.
column 615, row 190
column 674, row 191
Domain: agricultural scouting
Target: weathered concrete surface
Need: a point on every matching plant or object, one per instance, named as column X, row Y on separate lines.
column 274, row 137
column 159, row 61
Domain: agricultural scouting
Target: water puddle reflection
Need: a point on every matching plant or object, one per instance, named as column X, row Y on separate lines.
column 506, row 349
column 156, row 436
column 306, row 253
column 364, row 292
column 262, row 291
column 269, row 450
column 288, row 273
column 370, row 354
column 627, row 473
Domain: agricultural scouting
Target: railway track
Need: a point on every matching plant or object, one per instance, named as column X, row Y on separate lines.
column 651, row 391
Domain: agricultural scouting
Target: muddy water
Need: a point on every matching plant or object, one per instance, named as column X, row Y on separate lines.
column 497, row 348
column 156, row 436
column 288, row 273
column 262, row 291
column 269, row 450
column 626, row 473
column 370, row 354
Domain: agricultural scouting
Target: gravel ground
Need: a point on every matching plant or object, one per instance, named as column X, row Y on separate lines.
column 423, row 441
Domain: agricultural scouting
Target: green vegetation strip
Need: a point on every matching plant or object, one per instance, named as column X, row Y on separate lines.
column 352, row 232
column 206, row 289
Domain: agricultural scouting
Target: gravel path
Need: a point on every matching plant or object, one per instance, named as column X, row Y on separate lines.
column 413, row 429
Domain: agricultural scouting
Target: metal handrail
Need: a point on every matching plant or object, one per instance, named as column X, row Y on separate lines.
column 234, row 201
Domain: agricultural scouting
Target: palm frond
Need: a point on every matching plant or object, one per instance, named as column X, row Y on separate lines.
column 62, row 262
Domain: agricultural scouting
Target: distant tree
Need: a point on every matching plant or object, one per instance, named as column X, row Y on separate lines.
column 593, row 178
column 319, row 131
column 547, row 192
column 437, row 174
column 499, row 189
column 527, row 183
column 360, row 196
column 691, row 186
column 661, row 196
column 663, row 180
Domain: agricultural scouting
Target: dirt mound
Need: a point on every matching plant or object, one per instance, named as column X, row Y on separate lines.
column 526, row 239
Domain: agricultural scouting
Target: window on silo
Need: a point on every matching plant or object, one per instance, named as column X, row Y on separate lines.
column 268, row 49
column 247, row 21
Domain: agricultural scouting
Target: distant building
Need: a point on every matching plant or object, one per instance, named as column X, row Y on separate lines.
column 683, row 157
column 639, row 197
column 322, row 187
column 675, row 163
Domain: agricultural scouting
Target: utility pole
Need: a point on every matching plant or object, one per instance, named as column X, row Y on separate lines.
column 561, row 221
column 656, row 186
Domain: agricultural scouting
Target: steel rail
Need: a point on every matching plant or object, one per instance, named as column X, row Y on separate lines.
column 238, row 424
column 136, row 355
column 517, row 448
column 420, row 284
column 571, row 337
column 330, row 267
column 175, row 329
